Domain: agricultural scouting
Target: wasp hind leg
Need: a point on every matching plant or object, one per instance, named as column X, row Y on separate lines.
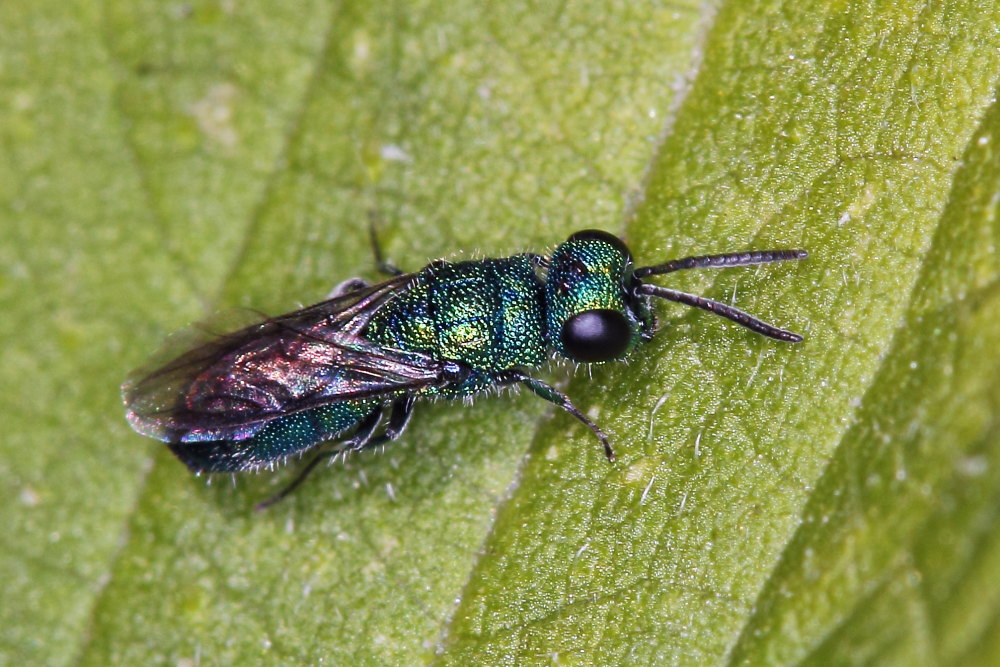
column 362, row 435
column 346, row 287
column 364, row 438
column 399, row 418
column 381, row 264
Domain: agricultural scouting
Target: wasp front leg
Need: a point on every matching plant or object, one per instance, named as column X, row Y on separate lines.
column 556, row 397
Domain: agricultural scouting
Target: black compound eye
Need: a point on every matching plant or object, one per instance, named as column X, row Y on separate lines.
column 601, row 235
column 596, row 335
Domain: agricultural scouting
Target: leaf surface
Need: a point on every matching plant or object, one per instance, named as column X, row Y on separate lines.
column 828, row 502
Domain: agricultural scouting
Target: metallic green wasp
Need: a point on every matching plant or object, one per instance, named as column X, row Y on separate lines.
column 342, row 367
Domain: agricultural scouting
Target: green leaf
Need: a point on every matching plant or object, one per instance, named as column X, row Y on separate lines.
column 834, row 501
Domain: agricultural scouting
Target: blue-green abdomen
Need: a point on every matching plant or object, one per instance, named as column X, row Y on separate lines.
column 277, row 439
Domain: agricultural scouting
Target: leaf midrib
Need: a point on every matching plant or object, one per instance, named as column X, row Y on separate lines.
column 632, row 202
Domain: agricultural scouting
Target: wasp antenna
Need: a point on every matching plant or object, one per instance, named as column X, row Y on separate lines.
column 735, row 314
column 720, row 261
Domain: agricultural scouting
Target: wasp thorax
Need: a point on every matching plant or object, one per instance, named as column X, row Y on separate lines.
column 587, row 304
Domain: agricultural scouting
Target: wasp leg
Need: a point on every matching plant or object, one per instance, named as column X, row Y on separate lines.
column 556, row 397
column 381, row 263
column 399, row 418
column 362, row 435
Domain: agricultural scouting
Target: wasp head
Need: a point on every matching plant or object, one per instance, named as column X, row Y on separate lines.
column 598, row 307
column 593, row 311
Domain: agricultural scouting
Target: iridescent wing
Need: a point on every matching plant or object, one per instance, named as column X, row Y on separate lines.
column 230, row 385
